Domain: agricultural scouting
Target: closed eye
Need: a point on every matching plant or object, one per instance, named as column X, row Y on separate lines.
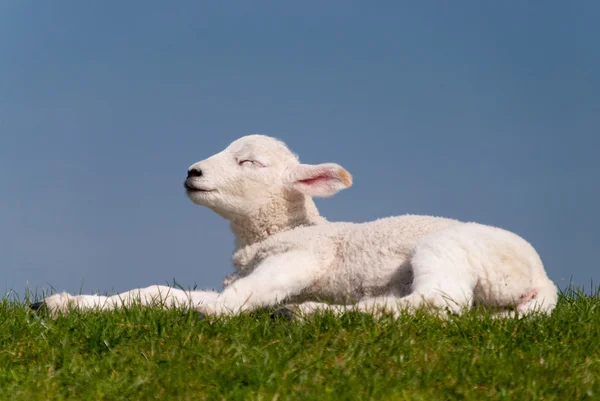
column 249, row 162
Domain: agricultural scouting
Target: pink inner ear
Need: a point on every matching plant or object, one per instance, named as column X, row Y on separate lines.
column 316, row 179
column 320, row 180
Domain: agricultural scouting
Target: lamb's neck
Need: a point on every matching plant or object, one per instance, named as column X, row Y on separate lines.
column 273, row 218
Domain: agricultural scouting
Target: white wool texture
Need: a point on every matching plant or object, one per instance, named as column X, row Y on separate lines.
column 287, row 253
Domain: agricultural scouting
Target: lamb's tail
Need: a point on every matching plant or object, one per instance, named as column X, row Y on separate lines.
column 542, row 301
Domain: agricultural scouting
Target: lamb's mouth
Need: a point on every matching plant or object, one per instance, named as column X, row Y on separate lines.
column 190, row 188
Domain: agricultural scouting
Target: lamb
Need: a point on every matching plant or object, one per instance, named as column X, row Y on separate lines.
column 286, row 253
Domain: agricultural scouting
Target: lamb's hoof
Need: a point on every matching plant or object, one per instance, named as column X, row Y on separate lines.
column 36, row 306
column 283, row 313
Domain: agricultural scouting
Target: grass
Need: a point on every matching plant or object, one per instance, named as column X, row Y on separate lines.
column 145, row 354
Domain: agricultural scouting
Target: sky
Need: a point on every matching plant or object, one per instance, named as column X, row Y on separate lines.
column 480, row 111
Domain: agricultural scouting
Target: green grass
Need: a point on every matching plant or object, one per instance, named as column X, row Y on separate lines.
column 144, row 354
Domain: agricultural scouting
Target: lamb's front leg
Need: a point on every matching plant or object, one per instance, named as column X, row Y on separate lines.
column 276, row 278
column 161, row 295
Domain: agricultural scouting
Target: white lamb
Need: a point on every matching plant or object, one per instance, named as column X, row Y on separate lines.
column 286, row 252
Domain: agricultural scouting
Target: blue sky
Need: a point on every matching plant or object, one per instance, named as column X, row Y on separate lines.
column 481, row 111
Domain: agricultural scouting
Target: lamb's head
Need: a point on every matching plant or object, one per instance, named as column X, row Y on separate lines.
column 255, row 173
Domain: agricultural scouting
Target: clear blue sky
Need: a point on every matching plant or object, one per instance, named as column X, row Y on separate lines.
column 481, row 111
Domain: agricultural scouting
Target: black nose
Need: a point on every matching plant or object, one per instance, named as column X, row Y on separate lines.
column 194, row 172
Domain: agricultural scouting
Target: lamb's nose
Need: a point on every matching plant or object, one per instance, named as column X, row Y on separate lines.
column 194, row 172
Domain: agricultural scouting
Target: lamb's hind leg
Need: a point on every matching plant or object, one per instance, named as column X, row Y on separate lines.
column 441, row 282
column 305, row 309
column 444, row 279
column 375, row 306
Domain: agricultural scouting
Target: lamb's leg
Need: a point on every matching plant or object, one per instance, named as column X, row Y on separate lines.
column 432, row 300
column 164, row 296
column 304, row 309
column 275, row 279
column 376, row 306
column 443, row 280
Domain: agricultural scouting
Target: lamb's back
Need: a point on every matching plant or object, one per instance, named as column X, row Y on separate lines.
column 377, row 245
column 371, row 259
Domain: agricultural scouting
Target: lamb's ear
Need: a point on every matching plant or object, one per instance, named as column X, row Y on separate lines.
column 319, row 180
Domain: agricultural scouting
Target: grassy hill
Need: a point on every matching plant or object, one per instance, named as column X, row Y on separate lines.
column 145, row 354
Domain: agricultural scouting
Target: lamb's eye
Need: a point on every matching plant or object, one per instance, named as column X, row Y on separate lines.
column 248, row 163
